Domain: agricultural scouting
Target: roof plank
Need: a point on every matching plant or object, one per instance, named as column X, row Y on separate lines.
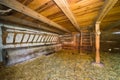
column 113, row 25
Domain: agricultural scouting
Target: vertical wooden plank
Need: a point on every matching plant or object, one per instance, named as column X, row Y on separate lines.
column 38, row 41
column 38, row 38
column 28, row 38
column 45, row 36
column 42, row 38
column 22, row 38
column 90, row 39
column 4, row 35
column 50, row 38
column 33, row 38
column 14, row 37
column 81, row 43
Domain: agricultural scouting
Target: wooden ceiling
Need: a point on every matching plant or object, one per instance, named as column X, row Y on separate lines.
column 72, row 15
column 112, row 19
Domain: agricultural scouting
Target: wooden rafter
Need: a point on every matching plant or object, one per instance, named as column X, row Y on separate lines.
column 106, row 8
column 64, row 6
column 27, row 23
column 29, row 12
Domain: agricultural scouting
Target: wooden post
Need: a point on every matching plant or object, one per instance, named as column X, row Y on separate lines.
column 81, row 46
column 97, row 46
column 78, row 43
column 97, row 42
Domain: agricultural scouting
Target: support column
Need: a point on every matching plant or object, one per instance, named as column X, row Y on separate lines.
column 97, row 45
column 97, row 42
column 74, row 34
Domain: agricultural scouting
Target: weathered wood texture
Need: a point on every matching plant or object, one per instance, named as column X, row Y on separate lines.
column 112, row 18
column 27, row 11
column 97, row 42
column 15, row 37
column 64, row 6
column 28, row 23
column 85, row 12
column 106, row 8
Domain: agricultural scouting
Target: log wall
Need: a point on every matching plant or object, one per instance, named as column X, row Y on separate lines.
column 20, row 44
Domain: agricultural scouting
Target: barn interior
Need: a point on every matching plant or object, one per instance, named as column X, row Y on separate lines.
column 59, row 39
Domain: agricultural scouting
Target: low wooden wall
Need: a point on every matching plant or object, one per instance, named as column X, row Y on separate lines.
column 17, row 55
column 19, row 44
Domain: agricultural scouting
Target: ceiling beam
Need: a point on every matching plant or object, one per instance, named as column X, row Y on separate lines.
column 113, row 25
column 109, row 4
column 64, row 6
column 29, row 12
column 28, row 23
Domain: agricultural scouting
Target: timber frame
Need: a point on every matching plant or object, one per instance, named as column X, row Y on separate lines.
column 27, row 11
column 64, row 6
column 106, row 8
column 61, row 17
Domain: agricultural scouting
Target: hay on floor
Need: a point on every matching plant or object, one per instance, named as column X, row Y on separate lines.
column 64, row 65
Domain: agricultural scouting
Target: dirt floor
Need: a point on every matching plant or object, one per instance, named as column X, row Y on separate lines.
column 64, row 65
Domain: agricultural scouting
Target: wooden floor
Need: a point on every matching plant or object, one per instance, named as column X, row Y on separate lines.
column 64, row 65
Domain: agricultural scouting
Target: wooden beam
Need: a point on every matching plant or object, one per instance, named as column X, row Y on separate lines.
column 64, row 6
column 29, row 12
column 109, row 4
column 28, row 23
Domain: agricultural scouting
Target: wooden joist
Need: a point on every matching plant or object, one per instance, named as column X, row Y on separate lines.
column 106, row 8
column 29, row 12
column 64, row 6
column 27, row 23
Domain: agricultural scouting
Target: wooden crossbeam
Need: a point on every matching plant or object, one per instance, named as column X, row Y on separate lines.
column 27, row 23
column 29, row 12
column 106, row 8
column 64, row 6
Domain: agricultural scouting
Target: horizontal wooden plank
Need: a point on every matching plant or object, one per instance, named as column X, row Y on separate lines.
column 89, row 7
column 28, row 23
column 85, row 3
